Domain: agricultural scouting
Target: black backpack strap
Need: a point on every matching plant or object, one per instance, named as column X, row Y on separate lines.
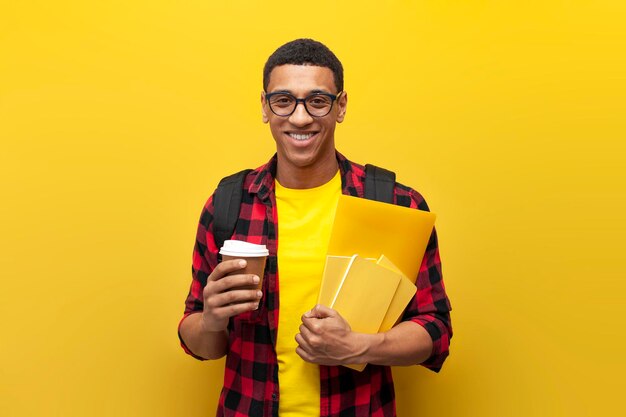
column 227, row 201
column 379, row 184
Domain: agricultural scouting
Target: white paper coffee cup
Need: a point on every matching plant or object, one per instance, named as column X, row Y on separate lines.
column 255, row 256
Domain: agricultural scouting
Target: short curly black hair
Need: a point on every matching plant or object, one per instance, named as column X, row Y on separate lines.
column 304, row 52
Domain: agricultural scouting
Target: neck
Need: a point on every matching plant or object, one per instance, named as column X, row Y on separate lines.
column 306, row 177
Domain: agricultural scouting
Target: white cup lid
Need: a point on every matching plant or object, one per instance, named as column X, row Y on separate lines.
column 245, row 249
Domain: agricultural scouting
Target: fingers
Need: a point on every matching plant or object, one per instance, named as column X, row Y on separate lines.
column 230, row 310
column 226, row 267
column 312, row 325
column 228, row 298
column 304, row 349
column 216, row 318
column 306, row 356
column 305, row 335
column 313, row 319
column 228, row 293
column 221, row 306
column 320, row 311
column 231, row 282
column 312, row 348
column 310, row 336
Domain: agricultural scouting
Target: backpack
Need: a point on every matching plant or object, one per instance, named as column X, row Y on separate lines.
column 227, row 198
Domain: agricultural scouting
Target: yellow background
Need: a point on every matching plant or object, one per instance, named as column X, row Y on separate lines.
column 118, row 118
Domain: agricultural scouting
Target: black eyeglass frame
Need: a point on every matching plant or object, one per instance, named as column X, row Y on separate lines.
column 333, row 98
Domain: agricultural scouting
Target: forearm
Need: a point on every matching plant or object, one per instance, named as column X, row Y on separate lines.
column 406, row 344
column 206, row 344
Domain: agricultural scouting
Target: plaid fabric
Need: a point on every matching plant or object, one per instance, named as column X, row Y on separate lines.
column 251, row 372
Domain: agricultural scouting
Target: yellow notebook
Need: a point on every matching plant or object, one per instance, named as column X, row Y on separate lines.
column 334, row 271
column 403, row 295
column 371, row 228
column 364, row 295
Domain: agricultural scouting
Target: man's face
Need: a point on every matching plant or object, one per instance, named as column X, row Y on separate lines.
column 301, row 139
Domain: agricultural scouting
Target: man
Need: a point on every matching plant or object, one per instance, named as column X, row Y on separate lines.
column 283, row 353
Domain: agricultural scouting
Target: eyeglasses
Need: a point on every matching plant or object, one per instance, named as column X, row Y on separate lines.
column 317, row 104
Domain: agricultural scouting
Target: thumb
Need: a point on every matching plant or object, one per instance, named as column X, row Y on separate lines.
column 321, row 311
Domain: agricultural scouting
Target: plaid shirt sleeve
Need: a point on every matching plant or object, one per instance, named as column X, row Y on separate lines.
column 203, row 253
column 430, row 307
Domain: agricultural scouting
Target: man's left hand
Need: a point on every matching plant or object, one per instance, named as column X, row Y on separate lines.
column 325, row 338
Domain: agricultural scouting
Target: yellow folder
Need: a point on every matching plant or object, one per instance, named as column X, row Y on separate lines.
column 371, row 228
column 364, row 295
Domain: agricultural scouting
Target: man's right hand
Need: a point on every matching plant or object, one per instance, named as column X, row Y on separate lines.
column 222, row 297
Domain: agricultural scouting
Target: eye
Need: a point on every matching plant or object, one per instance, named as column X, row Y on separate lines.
column 281, row 100
column 318, row 101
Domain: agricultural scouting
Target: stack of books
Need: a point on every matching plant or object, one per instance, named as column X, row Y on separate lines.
column 374, row 248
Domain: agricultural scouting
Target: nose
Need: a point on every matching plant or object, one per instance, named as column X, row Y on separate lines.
column 300, row 116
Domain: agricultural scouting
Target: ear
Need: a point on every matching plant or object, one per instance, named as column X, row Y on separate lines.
column 264, row 108
column 342, row 105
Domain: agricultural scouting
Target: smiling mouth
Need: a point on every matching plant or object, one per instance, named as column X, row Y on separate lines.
column 301, row 137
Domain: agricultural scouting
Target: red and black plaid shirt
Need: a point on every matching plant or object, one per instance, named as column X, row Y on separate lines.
column 251, row 374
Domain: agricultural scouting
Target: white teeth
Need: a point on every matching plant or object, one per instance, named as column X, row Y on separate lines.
column 297, row 136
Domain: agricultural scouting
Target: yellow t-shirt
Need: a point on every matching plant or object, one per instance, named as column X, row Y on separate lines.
column 305, row 218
